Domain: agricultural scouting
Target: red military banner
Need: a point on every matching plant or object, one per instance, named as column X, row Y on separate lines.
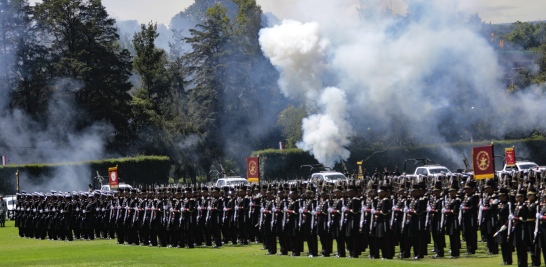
column 510, row 157
column 483, row 162
column 113, row 177
column 253, row 169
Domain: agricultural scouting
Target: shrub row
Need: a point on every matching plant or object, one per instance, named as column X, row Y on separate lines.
column 137, row 170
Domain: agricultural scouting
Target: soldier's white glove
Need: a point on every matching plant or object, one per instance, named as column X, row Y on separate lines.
column 41, row 211
column 62, row 211
column 225, row 209
column 53, row 209
column 300, row 210
column 103, row 209
column 495, row 202
column 262, row 210
column 77, row 209
column 28, row 209
column 274, row 210
column 171, row 209
column 209, row 208
column 236, row 207
column 83, row 210
column 510, row 217
column 33, row 210
column 428, row 209
column 373, row 211
column 462, row 206
column 444, row 210
column 313, row 213
column 406, row 210
column 539, row 216
column 46, row 210
column 164, row 207
column 97, row 209
column 285, row 209
column 481, row 208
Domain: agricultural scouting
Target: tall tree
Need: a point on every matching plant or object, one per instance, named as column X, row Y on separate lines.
column 84, row 43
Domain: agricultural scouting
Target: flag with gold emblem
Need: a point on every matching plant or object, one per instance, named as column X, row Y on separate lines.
column 253, row 169
column 483, row 162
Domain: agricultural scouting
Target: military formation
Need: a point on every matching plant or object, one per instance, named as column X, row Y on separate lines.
column 388, row 216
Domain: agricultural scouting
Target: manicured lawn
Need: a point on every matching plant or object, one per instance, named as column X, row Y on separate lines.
column 15, row 251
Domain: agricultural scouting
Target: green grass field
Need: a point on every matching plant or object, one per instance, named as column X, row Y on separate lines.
column 16, row 251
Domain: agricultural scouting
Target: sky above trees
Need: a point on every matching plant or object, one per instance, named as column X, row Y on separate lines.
column 161, row 11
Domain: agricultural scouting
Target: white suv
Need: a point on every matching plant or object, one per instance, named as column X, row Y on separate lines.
column 232, row 181
column 327, row 176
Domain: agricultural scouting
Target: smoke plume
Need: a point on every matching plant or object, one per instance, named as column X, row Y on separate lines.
column 427, row 69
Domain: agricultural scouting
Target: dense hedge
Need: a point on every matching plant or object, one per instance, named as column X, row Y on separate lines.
column 138, row 170
column 277, row 164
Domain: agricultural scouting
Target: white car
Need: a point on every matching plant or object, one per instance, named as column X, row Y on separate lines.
column 106, row 187
column 431, row 170
column 327, row 176
column 232, row 181
column 12, row 202
column 522, row 166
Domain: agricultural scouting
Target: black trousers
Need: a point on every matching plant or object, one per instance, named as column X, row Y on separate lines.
column 326, row 242
column 521, row 250
column 439, row 243
column 492, row 244
column 374, row 246
column 340, row 240
column 506, row 250
column 312, row 245
column 471, row 237
column 419, row 246
column 296, row 244
column 284, row 243
column 455, row 243
column 386, row 247
column 271, row 243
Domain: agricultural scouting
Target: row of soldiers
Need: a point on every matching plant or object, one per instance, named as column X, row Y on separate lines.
column 360, row 217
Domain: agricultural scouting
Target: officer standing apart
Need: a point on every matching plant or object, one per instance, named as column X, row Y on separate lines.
column 3, row 211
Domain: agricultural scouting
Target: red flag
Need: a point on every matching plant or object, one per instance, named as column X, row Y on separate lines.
column 510, row 157
column 253, row 169
column 483, row 162
column 113, row 177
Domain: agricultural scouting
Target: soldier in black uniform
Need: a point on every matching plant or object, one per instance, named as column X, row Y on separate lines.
column 336, row 228
column 215, row 220
column 533, row 213
column 281, row 230
column 401, row 230
column 453, row 227
column 308, row 224
column 502, row 237
column 371, row 202
column 352, row 226
column 381, row 219
column 489, row 217
column 470, row 217
column 521, row 230
column 190, row 216
column 268, row 222
column 293, row 221
column 89, row 217
column 323, row 230
column 438, row 220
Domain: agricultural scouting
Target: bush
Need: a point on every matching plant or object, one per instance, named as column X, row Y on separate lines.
column 145, row 170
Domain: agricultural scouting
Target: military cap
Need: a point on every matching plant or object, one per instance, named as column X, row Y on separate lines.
column 521, row 193
column 503, row 191
column 532, row 191
column 489, row 183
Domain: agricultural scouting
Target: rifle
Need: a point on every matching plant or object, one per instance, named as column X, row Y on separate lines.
column 405, row 216
column 111, row 212
column 313, row 213
column 145, row 211
column 372, row 218
column 235, row 213
column 510, row 218
column 208, row 211
column 198, row 211
column 537, row 220
column 135, row 214
column 442, row 218
column 261, row 217
column 342, row 219
column 126, row 212
column 480, row 213
column 284, row 216
column 300, row 215
column 392, row 215
column 428, row 212
column 329, row 216
column 274, row 218
column 362, row 215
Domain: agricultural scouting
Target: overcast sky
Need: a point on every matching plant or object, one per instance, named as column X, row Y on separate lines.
column 161, row 11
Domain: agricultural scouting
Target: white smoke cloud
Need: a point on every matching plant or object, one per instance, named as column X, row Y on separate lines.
column 326, row 134
column 300, row 54
column 429, row 68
